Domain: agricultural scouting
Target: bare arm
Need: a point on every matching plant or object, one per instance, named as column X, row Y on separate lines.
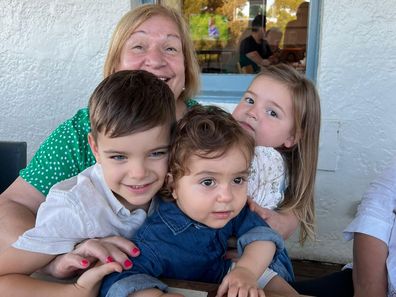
column 87, row 285
column 18, row 208
column 242, row 280
column 256, row 58
column 283, row 222
column 369, row 266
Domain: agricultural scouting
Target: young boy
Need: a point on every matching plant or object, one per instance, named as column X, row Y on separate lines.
column 203, row 204
column 131, row 114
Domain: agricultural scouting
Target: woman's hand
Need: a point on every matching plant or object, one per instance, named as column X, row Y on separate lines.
column 87, row 253
column 285, row 223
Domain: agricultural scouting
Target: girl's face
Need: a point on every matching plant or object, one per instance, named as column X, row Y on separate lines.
column 215, row 190
column 156, row 46
column 266, row 113
column 134, row 166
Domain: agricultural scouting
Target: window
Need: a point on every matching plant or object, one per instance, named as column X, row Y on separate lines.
column 289, row 30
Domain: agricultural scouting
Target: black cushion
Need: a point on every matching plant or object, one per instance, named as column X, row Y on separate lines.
column 12, row 159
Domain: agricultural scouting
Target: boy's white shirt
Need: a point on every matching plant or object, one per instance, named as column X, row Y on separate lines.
column 76, row 209
column 267, row 180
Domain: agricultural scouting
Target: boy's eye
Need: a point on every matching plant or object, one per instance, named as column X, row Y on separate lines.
column 208, row 182
column 239, row 180
column 272, row 113
column 118, row 157
column 158, row 154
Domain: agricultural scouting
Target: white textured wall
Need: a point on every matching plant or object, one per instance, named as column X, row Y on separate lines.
column 51, row 58
column 357, row 84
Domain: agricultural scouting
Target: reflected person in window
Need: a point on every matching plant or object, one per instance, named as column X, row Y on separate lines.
column 254, row 50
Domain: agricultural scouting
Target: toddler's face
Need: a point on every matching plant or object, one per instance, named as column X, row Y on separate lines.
column 266, row 112
column 215, row 190
column 134, row 166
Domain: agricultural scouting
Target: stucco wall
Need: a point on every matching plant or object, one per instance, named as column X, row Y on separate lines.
column 51, row 58
column 356, row 81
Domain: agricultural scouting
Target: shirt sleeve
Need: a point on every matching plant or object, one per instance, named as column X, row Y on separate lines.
column 249, row 227
column 61, row 223
column 64, row 154
column 145, row 268
column 130, row 284
column 376, row 212
column 267, row 181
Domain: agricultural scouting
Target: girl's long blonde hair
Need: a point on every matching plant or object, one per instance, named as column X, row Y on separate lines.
column 302, row 158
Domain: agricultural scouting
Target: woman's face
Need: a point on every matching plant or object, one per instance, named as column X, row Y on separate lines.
column 156, row 46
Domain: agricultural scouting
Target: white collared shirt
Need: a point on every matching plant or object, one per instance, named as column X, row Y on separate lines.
column 376, row 217
column 76, row 209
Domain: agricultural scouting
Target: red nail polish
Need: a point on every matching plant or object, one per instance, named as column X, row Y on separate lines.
column 135, row 251
column 84, row 263
column 128, row 263
column 109, row 259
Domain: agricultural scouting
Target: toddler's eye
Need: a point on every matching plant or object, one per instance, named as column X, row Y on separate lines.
column 209, row 182
column 239, row 180
column 272, row 113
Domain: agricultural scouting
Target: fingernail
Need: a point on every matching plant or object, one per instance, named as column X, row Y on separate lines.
column 109, row 259
column 128, row 263
column 84, row 263
column 135, row 251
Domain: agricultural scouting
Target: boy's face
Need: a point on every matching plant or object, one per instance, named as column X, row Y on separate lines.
column 134, row 166
column 215, row 190
column 266, row 113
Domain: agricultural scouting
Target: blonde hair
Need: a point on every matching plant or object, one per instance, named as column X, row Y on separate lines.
column 133, row 19
column 302, row 158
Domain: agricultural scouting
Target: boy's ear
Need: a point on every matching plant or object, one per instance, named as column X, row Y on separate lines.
column 94, row 147
column 170, row 185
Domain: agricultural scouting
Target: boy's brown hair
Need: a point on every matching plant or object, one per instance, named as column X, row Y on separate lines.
column 207, row 132
column 130, row 101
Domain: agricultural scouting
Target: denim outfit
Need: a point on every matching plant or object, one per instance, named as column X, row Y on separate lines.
column 174, row 246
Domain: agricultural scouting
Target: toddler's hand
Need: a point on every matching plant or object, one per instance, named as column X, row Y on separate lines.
column 239, row 282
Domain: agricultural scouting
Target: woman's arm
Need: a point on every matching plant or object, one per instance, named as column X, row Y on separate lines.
column 283, row 222
column 18, row 208
column 87, row 285
column 369, row 266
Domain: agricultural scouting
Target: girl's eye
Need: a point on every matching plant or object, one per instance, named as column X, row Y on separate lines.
column 272, row 113
column 209, row 182
column 118, row 157
column 249, row 100
column 239, row 180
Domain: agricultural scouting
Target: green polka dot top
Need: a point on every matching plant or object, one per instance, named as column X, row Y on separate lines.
column 65, row 153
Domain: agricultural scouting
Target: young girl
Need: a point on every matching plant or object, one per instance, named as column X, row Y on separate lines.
column 281, row 110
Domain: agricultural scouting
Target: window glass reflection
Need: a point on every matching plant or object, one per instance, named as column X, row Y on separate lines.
column 242, row 36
